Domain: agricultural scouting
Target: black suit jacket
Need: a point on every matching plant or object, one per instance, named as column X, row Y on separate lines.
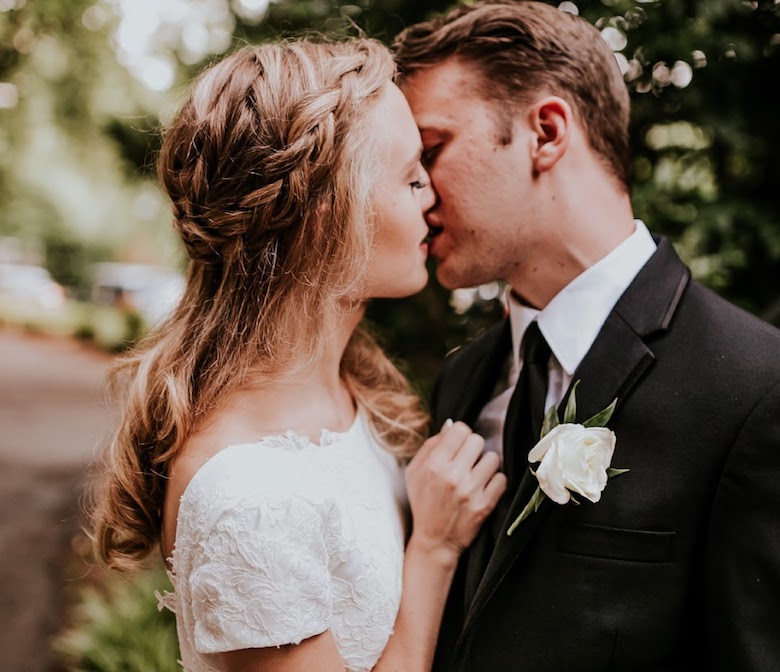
column 678, row 566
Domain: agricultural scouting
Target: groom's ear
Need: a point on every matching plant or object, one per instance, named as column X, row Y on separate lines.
column 551, row 121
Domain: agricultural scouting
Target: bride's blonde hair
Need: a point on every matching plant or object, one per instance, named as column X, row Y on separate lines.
column 270, row 170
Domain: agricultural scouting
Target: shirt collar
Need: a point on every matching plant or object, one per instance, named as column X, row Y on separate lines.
column 574, row 317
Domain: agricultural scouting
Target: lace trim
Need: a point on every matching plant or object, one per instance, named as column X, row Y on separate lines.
column 294, row 441
column 167, row 599
column 283, row 569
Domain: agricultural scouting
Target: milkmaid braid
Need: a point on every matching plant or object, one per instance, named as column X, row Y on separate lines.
column 270, row 170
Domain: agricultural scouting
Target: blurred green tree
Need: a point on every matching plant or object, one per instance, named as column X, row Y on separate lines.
column 81, row 104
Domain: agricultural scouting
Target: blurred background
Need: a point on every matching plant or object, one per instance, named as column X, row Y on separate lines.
column 88, row 260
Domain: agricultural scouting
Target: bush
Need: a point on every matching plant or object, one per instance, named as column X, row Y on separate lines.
column 110, row 328
column 116, row 627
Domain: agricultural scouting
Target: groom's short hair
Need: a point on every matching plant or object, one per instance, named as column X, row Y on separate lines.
column 522, row 48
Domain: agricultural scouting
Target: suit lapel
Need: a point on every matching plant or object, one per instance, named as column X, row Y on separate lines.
column 616, row 361
column 476, row 375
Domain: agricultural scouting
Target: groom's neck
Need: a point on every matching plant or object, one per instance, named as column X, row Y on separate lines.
column 587, row 219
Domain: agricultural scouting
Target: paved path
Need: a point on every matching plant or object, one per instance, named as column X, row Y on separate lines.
column 52, row 417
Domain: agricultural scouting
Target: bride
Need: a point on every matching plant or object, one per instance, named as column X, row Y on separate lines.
column 263, row 431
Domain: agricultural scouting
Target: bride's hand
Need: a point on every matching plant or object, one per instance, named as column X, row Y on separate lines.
column 453, row 486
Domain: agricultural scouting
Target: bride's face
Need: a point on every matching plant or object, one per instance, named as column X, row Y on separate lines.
column 402, row 195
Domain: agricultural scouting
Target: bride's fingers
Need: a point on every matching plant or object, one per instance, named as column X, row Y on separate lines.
column 469, row 452
column 439, row 449
column 430, row 444
column 495, row 487
column 447, row 443
column 487, row 465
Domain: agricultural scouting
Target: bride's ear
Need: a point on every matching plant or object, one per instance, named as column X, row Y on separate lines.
column 551, row 122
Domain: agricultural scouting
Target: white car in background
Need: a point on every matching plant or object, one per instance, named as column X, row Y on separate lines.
column 33, row 284
column 152, row 291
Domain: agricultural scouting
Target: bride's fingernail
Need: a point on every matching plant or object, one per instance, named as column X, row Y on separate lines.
column 447, row 424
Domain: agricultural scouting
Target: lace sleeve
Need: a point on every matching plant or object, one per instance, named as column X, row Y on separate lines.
column 260, row 576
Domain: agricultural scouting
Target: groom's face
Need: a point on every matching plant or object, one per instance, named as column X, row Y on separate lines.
column 480, row 167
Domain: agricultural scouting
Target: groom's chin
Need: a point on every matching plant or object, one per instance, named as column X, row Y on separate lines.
column 449, row 279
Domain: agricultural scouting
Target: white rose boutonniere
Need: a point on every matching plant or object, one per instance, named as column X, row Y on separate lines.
column 573, row 458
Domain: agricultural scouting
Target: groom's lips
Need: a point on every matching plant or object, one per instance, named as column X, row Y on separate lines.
column 433, row 231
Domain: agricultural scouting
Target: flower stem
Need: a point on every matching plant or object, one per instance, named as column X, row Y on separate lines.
column 533, row 505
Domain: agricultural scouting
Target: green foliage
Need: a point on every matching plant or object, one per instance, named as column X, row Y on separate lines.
column 63, row 180
column 117, row 628
column 702, row 153
column 710, row 182
column 109, row 328
column 69, row 258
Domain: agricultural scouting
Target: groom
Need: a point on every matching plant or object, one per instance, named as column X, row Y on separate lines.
column 524, row 116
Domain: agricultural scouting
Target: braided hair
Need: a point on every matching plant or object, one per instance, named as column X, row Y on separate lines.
column 270, row 173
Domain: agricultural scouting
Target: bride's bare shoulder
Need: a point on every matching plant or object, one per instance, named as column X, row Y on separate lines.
column 232, row 424
column 244, row 417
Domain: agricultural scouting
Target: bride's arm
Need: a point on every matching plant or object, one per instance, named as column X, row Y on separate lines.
column 452, row 488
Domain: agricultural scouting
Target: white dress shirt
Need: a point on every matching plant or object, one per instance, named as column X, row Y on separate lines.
column 569, row 324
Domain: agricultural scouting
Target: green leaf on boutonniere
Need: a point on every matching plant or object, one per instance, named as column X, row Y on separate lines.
column 532, row 506
column 602, row 445
column 601, row 419
column 570, row 414
column 550, row 421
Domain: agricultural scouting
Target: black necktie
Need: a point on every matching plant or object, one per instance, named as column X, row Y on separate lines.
column 522, row 427
column 525, row 413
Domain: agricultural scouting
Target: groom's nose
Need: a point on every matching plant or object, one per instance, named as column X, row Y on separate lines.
column 430, row 198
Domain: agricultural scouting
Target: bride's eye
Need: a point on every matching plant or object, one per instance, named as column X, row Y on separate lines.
column 418, row 184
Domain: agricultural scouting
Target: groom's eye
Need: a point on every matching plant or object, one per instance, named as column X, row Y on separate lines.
column 429, row 155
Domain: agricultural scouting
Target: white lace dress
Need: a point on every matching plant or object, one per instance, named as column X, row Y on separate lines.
column 283, row 539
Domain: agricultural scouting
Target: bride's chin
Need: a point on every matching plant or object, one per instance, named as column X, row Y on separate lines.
column 405, row 283
column 412, row 289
